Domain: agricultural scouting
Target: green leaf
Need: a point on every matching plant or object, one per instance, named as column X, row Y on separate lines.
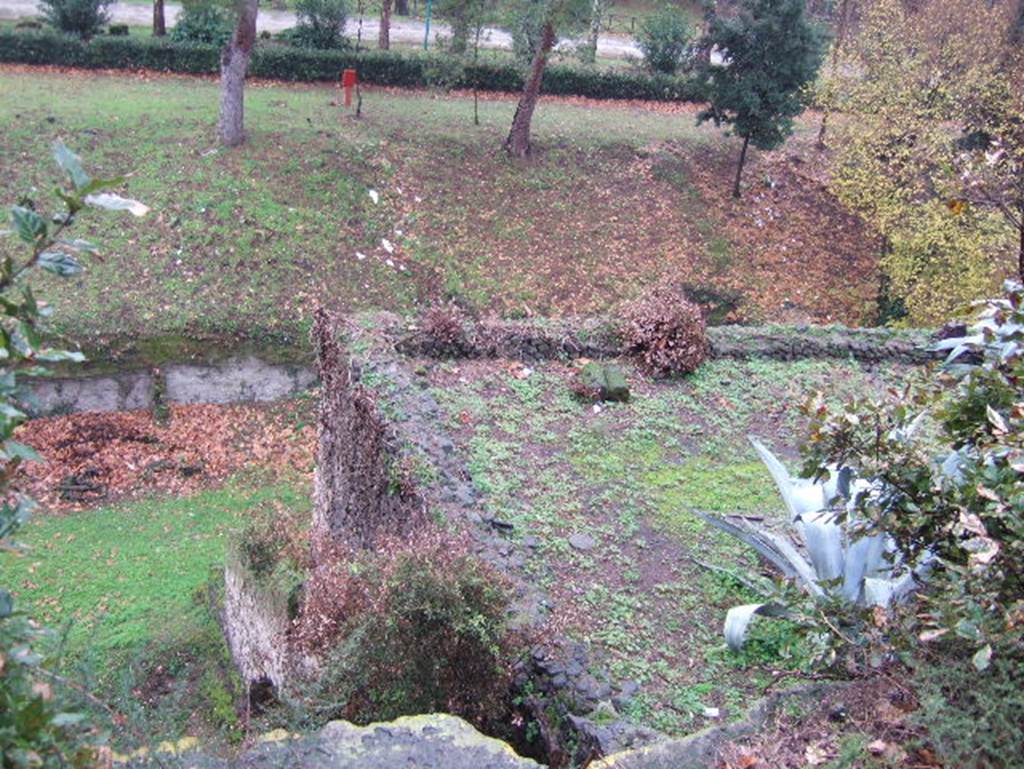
column 59, row 263
column 80, row 245
column 96, row 185
column 56, row 356
column 16, row 449
column 27, row 223
column 982, row 657
column 113, row 202
column 71, row 164
column 67, row 719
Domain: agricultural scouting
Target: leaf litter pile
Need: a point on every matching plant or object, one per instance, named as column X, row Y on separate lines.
column 865, row 723
column 95, row 458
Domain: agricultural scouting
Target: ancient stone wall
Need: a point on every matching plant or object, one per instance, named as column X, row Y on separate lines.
column 362, row 489
column 597, row 338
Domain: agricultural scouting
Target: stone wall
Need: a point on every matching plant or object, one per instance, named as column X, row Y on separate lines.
column 256, row 623
column 362, row 487
column 235, row 380
column 597, row 338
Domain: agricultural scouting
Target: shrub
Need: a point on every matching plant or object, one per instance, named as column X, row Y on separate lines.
column 118, row 30
column 37, row 729
column 203, row 22
column 320, row 23
column 445, row 326
column 955, row 495
column 284, row 62
column 664, row 39
column 845, row 565
column 973, row 719
column 665, row 331
column 416, row 627
column 83, row 18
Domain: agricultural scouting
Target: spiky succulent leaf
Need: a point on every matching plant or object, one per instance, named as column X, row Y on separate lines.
column 738, row 620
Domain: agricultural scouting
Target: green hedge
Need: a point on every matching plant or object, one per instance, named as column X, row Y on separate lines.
column 297, row 64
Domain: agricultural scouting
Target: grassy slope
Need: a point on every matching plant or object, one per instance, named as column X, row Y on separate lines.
column 252, row 238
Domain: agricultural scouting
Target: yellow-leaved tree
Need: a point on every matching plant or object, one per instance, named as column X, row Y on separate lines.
column 930, row 147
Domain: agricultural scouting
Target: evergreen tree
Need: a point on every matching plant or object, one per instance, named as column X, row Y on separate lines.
column 772, row 51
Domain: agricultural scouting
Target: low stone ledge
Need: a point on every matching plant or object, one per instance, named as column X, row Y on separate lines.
column 596, row 338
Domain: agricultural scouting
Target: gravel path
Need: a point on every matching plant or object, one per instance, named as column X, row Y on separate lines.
column 402, row 30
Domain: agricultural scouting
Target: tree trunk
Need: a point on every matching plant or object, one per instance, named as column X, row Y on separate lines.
column 159, row 23
column 844, row 24
column 1020, row 243
column 384, row 36
column 402, row 7
column 596, row 17
column 518, row 142
column 739, row 167
column 234, row 61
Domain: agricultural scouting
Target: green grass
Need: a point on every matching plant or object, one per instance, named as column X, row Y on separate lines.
column 251, row 239
column 119, row 577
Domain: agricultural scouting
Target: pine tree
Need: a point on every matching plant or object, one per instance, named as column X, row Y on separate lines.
column 772, row 51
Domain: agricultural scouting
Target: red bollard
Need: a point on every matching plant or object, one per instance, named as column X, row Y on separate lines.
column 348, row 82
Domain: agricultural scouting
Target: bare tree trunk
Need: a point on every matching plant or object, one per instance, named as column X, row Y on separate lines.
column 1020, row 243
column 402, row 7
column 384, row 37
column 234, row 61
column 476, row 84
column 159, row 24
column 739, row 167
column 596, row 17
column 844, row 24
column 518, row 142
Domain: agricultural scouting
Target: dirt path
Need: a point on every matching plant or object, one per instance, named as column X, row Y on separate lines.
column 402, row 30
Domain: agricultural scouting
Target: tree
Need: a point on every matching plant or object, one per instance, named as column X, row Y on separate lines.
column 771, row 53
column 384, row 33
column 932, row 152
column 234, row 61
column 550, row 14
column 826, row 96
column 159, row 22
column 83, row 18
column 664, row 39
column 321, row 23
column 463, row 17
column 598, row 11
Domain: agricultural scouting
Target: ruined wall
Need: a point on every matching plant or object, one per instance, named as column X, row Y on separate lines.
column 256, row 623
column 362, row 487
column 548, row 339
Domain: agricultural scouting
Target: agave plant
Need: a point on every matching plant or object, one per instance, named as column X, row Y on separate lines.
column 841, row 563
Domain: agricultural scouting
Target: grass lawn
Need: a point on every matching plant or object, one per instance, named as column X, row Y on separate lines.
column 122, row 577
column 247, row 241
column 630, row 476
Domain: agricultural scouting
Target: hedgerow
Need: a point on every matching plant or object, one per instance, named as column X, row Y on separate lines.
column 282, row 62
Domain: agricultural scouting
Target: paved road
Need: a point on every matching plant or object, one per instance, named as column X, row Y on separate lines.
column 402, row 30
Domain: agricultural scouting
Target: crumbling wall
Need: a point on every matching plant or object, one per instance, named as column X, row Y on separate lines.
column 362, row 488
column 595, row 337
column 256, row 623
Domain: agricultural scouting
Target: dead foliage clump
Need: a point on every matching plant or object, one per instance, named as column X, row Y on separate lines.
column 416, row 625
column 444, row 326
column 666, row 331
column 867, row 722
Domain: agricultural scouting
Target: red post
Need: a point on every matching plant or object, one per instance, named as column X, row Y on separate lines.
column 348, row 82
